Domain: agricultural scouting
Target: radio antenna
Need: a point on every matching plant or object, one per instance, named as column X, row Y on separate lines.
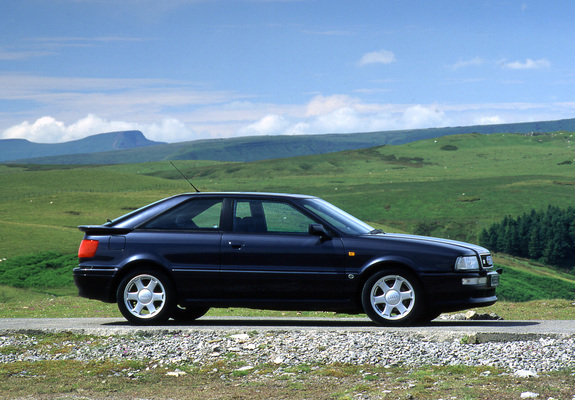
column 184, row 176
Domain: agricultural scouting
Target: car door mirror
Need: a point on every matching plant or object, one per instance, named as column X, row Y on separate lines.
column 319, row 230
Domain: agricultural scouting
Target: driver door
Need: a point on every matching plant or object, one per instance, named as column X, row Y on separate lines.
column 270, row 255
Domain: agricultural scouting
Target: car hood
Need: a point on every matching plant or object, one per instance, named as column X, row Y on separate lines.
column 476, row 248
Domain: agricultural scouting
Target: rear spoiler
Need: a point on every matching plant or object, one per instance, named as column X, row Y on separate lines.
column 103, row 230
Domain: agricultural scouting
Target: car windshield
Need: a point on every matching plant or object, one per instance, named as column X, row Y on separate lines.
column 338, row 218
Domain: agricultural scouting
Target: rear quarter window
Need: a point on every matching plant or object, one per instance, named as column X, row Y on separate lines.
column 192, row 215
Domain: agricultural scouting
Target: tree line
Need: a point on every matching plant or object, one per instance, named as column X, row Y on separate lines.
column 546, row 236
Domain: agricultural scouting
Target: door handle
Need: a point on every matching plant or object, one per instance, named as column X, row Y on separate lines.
column 236, row 245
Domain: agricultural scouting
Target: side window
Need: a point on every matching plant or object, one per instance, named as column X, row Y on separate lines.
column 283, row 218
column 192, row 215
column 259, row 216
column 249, row 217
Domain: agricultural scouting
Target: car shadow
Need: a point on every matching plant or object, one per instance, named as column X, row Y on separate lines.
column 479, row 323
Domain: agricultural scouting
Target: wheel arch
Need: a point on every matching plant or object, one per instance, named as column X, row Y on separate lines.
column 138, row 264
column 384, row 264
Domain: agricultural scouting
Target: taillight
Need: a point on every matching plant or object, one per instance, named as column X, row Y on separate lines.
column 88, row 248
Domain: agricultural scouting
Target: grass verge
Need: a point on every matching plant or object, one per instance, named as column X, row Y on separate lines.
column 128, row 379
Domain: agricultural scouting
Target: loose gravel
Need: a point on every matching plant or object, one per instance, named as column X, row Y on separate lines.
column 298, row 347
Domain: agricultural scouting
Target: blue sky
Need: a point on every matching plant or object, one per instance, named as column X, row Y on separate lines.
column 182, row 70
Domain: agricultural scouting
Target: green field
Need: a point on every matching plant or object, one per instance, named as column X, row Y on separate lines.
column 452, row 187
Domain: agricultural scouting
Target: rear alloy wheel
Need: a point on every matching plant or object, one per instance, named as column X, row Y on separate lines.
column 146, row 298
column 392, row 298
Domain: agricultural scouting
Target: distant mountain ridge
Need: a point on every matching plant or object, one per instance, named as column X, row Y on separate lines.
column 133, row 147
column 15, row 149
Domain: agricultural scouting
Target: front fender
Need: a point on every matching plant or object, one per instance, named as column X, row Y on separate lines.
column 378, row 263
column 358, row 277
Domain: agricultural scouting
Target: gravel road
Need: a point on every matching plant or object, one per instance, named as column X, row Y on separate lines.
column 438, row 330
column 530, row 346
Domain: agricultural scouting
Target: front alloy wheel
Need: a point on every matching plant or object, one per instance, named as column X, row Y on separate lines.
column 392, row 298
column 146, row 297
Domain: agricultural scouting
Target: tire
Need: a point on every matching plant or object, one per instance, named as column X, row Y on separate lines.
column 188, row 314
column 392, row 298
column 146, row 297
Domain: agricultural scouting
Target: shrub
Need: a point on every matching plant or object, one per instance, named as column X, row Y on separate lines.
column 449, row 147
column 38, row 271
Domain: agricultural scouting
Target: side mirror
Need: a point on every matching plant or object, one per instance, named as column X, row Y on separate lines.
column 319, row 230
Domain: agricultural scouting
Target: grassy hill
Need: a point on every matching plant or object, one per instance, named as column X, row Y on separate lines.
column 14, row 149
column 450, row 187
column 245, row 149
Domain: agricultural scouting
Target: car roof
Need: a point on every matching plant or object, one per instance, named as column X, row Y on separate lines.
column 249, row 194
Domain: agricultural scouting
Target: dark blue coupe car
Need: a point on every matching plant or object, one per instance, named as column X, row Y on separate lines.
column 180, row 256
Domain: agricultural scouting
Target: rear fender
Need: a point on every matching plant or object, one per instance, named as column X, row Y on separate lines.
column 139, row 262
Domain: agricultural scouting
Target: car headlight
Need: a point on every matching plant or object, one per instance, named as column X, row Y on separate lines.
column 467, row 263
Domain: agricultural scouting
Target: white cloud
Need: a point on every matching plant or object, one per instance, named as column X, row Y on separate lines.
column 377, row 57
column 337, row 121
column 321, row 105
column 422, row 117
column 70, row 105
column 168, row 130
column 527, row 64
column 489, row 120
column 49, row 130
column 467, row 63
column 343, row 114
column 46, row 128
column 170, row 112
column 322, row 114
column 268, row 125
column 301, row 128
column 21, row 54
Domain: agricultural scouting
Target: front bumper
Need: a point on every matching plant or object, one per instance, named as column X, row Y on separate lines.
column 457, row 291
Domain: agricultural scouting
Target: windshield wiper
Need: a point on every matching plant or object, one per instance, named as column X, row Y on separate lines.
column 376, row 231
